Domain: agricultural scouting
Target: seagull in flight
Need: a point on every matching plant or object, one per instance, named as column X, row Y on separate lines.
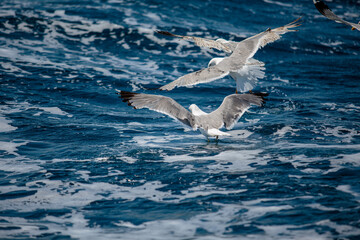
column 326, row 11
column 229, row 112
column 240, row 64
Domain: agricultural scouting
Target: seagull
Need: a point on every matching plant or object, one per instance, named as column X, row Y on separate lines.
column 326, row 11
column 240, row 65
column 229, row 112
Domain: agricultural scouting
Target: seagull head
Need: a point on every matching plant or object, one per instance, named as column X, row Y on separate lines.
column 221, row 40
column 353, row 28
column 194, row 109
column 214, row 61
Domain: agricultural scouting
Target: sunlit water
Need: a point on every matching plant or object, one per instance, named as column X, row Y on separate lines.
column 77, row 163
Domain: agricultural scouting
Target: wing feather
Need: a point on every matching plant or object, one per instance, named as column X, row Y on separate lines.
column 233, row 107
column 270, row 35
column 160, row 104
column 202, row 76
column 201, row 42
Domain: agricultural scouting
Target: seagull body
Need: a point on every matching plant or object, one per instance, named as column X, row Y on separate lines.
column 240, row 65
column 247, row 77
column 326, row 11
column 229, row 112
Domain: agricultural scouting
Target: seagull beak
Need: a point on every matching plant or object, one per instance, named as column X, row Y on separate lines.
column 353, row 28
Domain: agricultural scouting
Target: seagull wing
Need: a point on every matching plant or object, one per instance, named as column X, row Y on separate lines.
column 201, row 42
column 326, row 11
column 230, row 44
column 160, row 104
column 202, row 76
column 250, row 45
column 233, row 107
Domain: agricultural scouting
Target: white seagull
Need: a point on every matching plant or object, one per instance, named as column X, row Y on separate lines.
column 239, row 65
column 326, row 11
column 229, row 112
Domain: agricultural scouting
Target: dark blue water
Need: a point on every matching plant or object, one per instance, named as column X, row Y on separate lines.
column 77, row 163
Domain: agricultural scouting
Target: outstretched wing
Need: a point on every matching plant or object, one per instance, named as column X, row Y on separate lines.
column 160, row 104
column 250, row 45
column 234, row 106
column 202, row 76
column 201, row 42
column 326, row 11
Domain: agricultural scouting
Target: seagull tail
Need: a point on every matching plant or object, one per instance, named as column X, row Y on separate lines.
column 217, row 132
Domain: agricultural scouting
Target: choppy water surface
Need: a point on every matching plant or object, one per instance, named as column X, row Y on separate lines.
column 77, row 163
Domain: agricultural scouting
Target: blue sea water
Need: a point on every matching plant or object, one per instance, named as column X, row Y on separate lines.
column 77, row 163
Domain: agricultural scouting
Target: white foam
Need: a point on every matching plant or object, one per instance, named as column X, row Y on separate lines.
column 240, row 134
column 9, row 68
column 344, row 230
column 288, row 145
column 188, row 169
column 284, row 232
column 106, row 72
column 276, row 78
column 345, row 134
column 77, row 29
column 8, row 52
column 286, row 130
column 346, row 159
column 347, row 189
column 240, row 160
column 278, row 3
column 11, row 147
column 25, row 27
column 332, row 44
column 5, row 125
column 7, row 13
column 332, row 106
column 55, row 111
column 206, row 190
column 129, row 160
column 153, row 16
column 157, row 141
column 213, row 222
column 16, row 107
column 54, row 194
column 73, row 28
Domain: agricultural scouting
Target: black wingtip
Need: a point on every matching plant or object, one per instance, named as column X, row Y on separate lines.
column 262, row 95
column 165, row 33
column 321, row 7
column 126, row 96
column 151, row 89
